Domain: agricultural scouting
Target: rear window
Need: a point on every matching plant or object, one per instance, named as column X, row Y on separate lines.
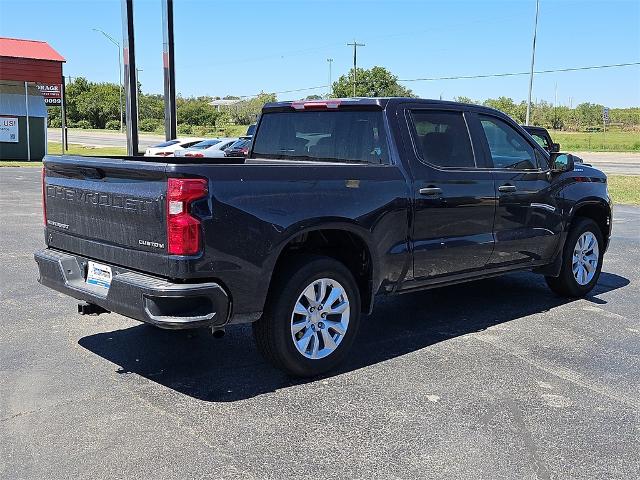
column 205, row 144
column 240, row 143
column 190, row 144
column 166, row 144
column 338, row 136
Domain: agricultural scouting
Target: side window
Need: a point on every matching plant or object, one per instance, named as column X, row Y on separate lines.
column 442, row 138
column 542, row 141
column 508, row 148
column 543, row 163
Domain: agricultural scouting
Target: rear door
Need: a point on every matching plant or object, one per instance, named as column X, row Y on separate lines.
column 527, row 221
column 108, row 209
column 454, row 200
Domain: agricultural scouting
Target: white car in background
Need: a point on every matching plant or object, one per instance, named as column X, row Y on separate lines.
column 166, row 149
column 211, row 148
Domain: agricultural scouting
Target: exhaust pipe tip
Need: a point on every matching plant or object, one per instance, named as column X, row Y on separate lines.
column 217, row 332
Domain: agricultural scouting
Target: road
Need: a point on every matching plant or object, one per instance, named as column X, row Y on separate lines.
column 102, row 138
column 613, row 163
column 494, row 379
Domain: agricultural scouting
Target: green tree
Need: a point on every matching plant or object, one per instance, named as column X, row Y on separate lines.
column 463, row 99
column 98, row 104
column 517, row 111
column 247, row 111
column 375, row 82
column 196, row 112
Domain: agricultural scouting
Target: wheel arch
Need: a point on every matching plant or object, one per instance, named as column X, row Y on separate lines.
column 346, row 242
column 597, row 210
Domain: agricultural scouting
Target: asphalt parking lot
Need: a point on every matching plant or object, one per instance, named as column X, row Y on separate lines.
column 492, row 379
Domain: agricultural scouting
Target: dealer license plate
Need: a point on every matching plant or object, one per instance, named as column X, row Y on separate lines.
column 98, row 274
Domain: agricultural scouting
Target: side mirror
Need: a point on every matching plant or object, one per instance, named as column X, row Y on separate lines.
column 555, row 147
column 561, row 162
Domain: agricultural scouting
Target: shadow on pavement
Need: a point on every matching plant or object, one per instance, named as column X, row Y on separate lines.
column 195, row 364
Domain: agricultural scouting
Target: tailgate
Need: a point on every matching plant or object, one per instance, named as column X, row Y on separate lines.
column 108, row 209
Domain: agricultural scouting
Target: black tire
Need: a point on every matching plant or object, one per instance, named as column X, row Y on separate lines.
column 566, row 284
column 273, row 332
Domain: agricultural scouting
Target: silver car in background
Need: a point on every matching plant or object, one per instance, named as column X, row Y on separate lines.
column 210, row 148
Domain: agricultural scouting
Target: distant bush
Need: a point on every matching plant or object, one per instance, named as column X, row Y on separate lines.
column 112, row 125
column 82, row 124
column 149, row 125
column 185, row 129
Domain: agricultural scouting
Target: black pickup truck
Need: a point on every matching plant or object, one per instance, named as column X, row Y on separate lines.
column 337, row 201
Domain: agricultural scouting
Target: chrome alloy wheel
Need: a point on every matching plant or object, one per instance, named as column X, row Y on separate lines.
column 585, row 258
column 320, row 318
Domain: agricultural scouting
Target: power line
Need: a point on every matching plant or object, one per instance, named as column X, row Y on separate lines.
column 513, row 74
column 461, row 77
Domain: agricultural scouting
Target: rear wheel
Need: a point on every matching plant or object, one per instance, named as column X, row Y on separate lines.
column 581, row 260
column 311, row 318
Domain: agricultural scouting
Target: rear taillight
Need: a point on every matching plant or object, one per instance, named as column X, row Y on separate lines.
column 183, row 229
column 44, row 198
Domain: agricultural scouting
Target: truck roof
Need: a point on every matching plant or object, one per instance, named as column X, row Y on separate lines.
column 367, row 102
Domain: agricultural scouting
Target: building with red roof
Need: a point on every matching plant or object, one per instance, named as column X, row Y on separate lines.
column 30, row 78
column 30, row 61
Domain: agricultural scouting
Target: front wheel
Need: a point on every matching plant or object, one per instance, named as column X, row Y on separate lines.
column 581, row 260
column 311, row 317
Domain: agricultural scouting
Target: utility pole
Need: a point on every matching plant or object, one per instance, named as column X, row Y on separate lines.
column 112, row 40
column 330, row 92
column 533, row 58
column 355, row 46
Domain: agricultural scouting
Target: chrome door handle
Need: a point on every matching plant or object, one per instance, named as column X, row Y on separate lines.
column 430, row 191
column 507, row 188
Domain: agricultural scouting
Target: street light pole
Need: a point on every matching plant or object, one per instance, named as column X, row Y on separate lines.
column 533, row 58
column 112, row 40
column 330, row 61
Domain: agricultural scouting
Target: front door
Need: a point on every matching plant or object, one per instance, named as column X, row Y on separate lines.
column 528, row 221
column 454, row 201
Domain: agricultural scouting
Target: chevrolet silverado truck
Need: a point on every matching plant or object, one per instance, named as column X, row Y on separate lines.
column 337, row 201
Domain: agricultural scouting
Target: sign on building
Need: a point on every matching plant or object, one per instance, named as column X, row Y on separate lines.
column 51, row 93
column 9, row 129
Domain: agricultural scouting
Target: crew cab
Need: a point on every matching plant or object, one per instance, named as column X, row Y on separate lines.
column 338, row 201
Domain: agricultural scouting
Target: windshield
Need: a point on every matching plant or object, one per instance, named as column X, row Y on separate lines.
column 337, row 136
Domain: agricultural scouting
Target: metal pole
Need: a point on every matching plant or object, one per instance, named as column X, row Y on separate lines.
column 130, row 77
column 533, row 58
column 115, row 42
column 330, row 91
column 355, row 62
column 121, row 88
column 26, row 105
column 169, row 68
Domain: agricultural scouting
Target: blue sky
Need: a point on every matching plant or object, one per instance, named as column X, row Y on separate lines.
column 242, row 47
